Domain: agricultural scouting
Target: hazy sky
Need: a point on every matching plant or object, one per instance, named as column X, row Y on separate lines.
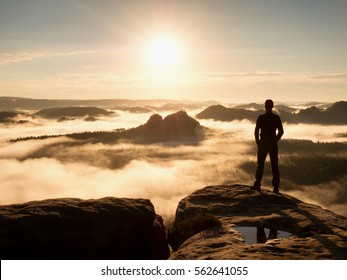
column 227, row 50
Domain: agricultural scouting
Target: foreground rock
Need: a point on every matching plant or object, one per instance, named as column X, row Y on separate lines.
column 316, row 233
column 69, row 228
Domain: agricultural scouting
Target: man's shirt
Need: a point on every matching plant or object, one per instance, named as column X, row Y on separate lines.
column 268, row 124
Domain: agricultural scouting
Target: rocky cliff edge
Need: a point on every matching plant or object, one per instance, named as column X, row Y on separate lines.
column 70, row 228
column 312, row 232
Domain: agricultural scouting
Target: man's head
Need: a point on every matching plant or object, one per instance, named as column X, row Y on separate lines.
column 269, row 104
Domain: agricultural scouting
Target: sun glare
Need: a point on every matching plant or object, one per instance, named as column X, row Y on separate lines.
column 164, row 52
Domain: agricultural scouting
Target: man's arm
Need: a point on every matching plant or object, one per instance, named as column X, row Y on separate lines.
column 256, row 132
column 280, row 130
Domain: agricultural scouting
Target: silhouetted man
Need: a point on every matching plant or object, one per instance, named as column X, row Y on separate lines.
column 271, row 131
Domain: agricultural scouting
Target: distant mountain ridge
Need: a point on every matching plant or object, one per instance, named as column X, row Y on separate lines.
column 7, row 117
column 174, row 127
column 335, row 114
column 256, row 106
column 19, row 103
column 56, row 113
column 221, row 113
column 15, row 103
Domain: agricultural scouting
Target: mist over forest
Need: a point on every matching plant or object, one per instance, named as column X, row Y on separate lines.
column 56, row 149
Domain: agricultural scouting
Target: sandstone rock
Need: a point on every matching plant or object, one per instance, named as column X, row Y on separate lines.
column 316, row 233
column 70, row 228
column 174, row 127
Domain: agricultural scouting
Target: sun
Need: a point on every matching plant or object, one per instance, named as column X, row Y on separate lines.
column 164, row 51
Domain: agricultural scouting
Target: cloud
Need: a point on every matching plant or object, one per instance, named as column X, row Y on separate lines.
column 39, row 127
column 35, row 170
column 334, row 76
column 164, row 173
column 7, row 58
column 332, row 195
column 160, row 173
column 83, row 80
column 36, row 179
column 23, row 149
column 314, row 132
column 224, row 77
column 245, row 74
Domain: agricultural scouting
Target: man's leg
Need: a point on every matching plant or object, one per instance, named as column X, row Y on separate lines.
column 261, row 236
column 275, row 170
column 261, row 156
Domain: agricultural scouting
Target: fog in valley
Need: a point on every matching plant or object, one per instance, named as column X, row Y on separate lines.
column 166, row 172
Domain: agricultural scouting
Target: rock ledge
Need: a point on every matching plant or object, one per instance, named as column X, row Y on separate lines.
column 71, row 228
column 316, row 233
